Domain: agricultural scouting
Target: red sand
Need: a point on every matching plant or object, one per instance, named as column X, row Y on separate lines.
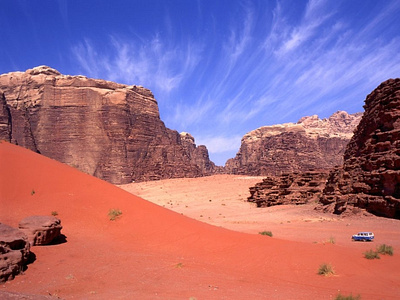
column 154, row 253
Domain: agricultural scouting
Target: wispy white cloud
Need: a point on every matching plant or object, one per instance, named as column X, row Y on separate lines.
column 314, row 16
column 152, row 63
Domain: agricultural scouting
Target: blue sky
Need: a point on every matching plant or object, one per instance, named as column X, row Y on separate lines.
column 219, row 68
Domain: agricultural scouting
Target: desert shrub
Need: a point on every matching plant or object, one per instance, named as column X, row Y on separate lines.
column 269, row 233
column 351, row 297
column 33, row 192
column 371, row 254
column 385, row 249
column 114, row 214
column 332, row 240
column 326, row 269
column 54, row 213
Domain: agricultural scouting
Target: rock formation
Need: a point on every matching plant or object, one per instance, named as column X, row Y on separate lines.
column 294, row 188
column 5, row 122
column 40, row 230
column 370, row 175
column 198, row 155
column 311, row 143
column 14, row 252
column 109, row 130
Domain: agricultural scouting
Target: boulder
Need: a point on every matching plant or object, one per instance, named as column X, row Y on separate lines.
column 14, row 252
column 41, row 230
column 311, row 143
column 370, row 175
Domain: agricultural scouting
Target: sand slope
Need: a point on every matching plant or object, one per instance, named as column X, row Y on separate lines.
column 154, row 253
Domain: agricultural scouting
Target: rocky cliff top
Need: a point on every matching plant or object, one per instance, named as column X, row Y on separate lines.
column 340, row 124
column 36, row 78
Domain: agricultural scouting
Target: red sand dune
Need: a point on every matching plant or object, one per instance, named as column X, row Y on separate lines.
column 154, row 253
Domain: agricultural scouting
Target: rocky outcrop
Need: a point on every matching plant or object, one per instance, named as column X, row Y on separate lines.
column 199, row 155
column 109, row 130
column 41, row 230
column 370, row 175
column 311, row 143
column 294, row 188
column 14, row 252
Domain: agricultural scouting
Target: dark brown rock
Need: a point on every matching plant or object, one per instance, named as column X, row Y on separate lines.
column 370, row 175
column 14, row 252
column 5, row 120
column 109, row 130
column 294, row 188
column 41, row 230
column 311, row 143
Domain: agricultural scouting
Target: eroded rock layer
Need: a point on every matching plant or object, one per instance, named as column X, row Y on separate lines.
column 40, row 230
column 14, row 252
column 109, row 130
column 370, row 175
column 311, row 143
column 294, row 188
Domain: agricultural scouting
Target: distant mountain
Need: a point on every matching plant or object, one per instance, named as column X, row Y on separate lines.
column 311, row 143
column 109, row 130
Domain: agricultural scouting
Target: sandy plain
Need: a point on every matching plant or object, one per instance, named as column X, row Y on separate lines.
column 198, row 240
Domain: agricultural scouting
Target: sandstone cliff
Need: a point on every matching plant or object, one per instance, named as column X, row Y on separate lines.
column 109, row 130
column 311, row 143
column 370, row 175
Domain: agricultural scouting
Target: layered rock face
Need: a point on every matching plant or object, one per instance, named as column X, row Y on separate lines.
column 14, row 252
column 294, row 188
column 370, row 175
column 311, row 143
column 109, row 130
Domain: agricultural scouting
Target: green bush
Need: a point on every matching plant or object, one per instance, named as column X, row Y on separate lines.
column 371, row 254
column 325, row 269
column 114, row 214
column 351, row 297
column 269, row 233
column 385, row 249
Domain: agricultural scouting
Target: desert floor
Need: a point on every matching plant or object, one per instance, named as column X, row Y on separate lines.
column 221, row 200
column 203, row 244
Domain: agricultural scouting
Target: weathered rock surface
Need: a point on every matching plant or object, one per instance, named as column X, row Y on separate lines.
column 109, row 130
column 370, row 175
column 14, row 252
column 40, row 230
column 5, row 120
column 311, row 143
column 294, row 188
